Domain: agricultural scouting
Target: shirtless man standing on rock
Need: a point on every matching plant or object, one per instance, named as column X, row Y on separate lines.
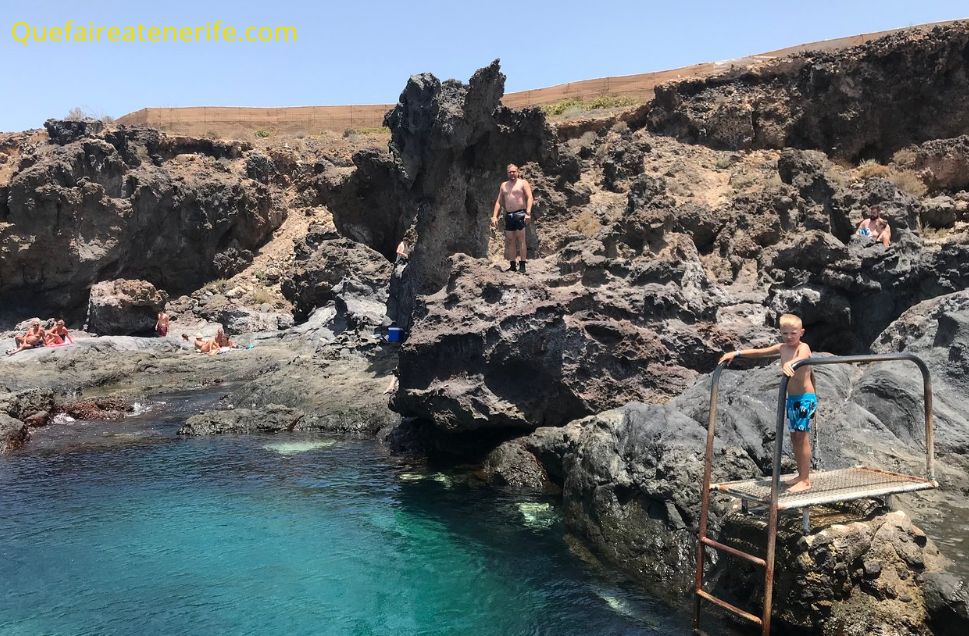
column 515, row 196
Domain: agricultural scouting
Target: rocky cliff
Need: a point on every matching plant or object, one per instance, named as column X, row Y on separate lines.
column 862, row 102
column 91, row 205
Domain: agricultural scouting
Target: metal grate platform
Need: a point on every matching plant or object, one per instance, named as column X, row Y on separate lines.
column 828, row 486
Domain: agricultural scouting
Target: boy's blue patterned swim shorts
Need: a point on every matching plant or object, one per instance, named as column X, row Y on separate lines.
column 801, row 410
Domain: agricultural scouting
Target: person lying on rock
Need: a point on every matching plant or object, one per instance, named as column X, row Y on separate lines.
column 515, row 197
column 802, row 401
column 161, row 325
column 875, row 228
column 202, row 345
column 394, row 383
column 58, row 335
column 33, row 337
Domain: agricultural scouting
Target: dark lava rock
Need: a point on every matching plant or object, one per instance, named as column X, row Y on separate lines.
column 124, row 307
column 348, row 274
column 851, row 103
column 272, row 418
column 13, row 433
column 631, row 476
column 25, row 402
column 99, row 207
column 491, row 351
column 947, row 603
column 99, row 408
column 450, row 143
column 65, row 131
column 512, row 465
column 858, row 572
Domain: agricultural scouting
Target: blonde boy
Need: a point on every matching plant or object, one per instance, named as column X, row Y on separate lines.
column 802, row 401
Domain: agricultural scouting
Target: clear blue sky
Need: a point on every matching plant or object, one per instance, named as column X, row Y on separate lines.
column 363, row 52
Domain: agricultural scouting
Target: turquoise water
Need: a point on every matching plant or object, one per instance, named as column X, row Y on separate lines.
column 123, row 528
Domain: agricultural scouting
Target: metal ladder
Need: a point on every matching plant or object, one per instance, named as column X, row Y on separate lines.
column 883, row 483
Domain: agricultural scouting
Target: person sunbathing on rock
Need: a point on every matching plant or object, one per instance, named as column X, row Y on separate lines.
column 202, row 345
column 875, row 227
column 58, row 335
column 223, row 340
column 32, row 338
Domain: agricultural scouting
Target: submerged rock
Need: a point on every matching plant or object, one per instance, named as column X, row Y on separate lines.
column 273, row 418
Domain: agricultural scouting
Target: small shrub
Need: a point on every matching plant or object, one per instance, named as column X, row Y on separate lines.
column 586, row 223
column 353, row 132
column 78, row 114
column 904, row 157
column 870, row 168
column 260, row 295
column 211, row 135
column 262, row 134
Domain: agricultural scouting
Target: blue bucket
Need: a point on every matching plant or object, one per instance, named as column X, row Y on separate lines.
column 394, row 334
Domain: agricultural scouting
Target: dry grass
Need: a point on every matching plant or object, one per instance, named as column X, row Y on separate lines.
column 904, row 157
column 869, row 169
column 586, row 223
column 260, row 295
column 907, row 181
column 571, row 106
column 839, row 175
column 380, row 131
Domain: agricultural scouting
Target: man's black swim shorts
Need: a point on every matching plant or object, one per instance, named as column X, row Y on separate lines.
column 514, row 221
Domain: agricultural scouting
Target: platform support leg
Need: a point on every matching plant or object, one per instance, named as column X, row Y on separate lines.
column 744, row 507
column 890, row 502
column 805, row 521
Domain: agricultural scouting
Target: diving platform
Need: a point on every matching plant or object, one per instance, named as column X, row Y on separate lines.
column 771, row 494
column 845, row 484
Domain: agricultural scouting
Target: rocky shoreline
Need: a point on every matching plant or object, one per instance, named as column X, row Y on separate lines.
column 663, row 236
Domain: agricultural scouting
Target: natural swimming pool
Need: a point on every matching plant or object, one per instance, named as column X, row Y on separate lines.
column 120, row 528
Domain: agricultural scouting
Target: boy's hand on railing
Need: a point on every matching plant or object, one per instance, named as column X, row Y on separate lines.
column 788, row 368
column 727, row 357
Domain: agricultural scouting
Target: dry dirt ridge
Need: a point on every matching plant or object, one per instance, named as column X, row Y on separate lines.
column 242, row 123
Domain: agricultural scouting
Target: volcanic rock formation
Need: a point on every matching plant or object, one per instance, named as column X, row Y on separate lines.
column 449, row 146
column 862, row 102
column 130, row 203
